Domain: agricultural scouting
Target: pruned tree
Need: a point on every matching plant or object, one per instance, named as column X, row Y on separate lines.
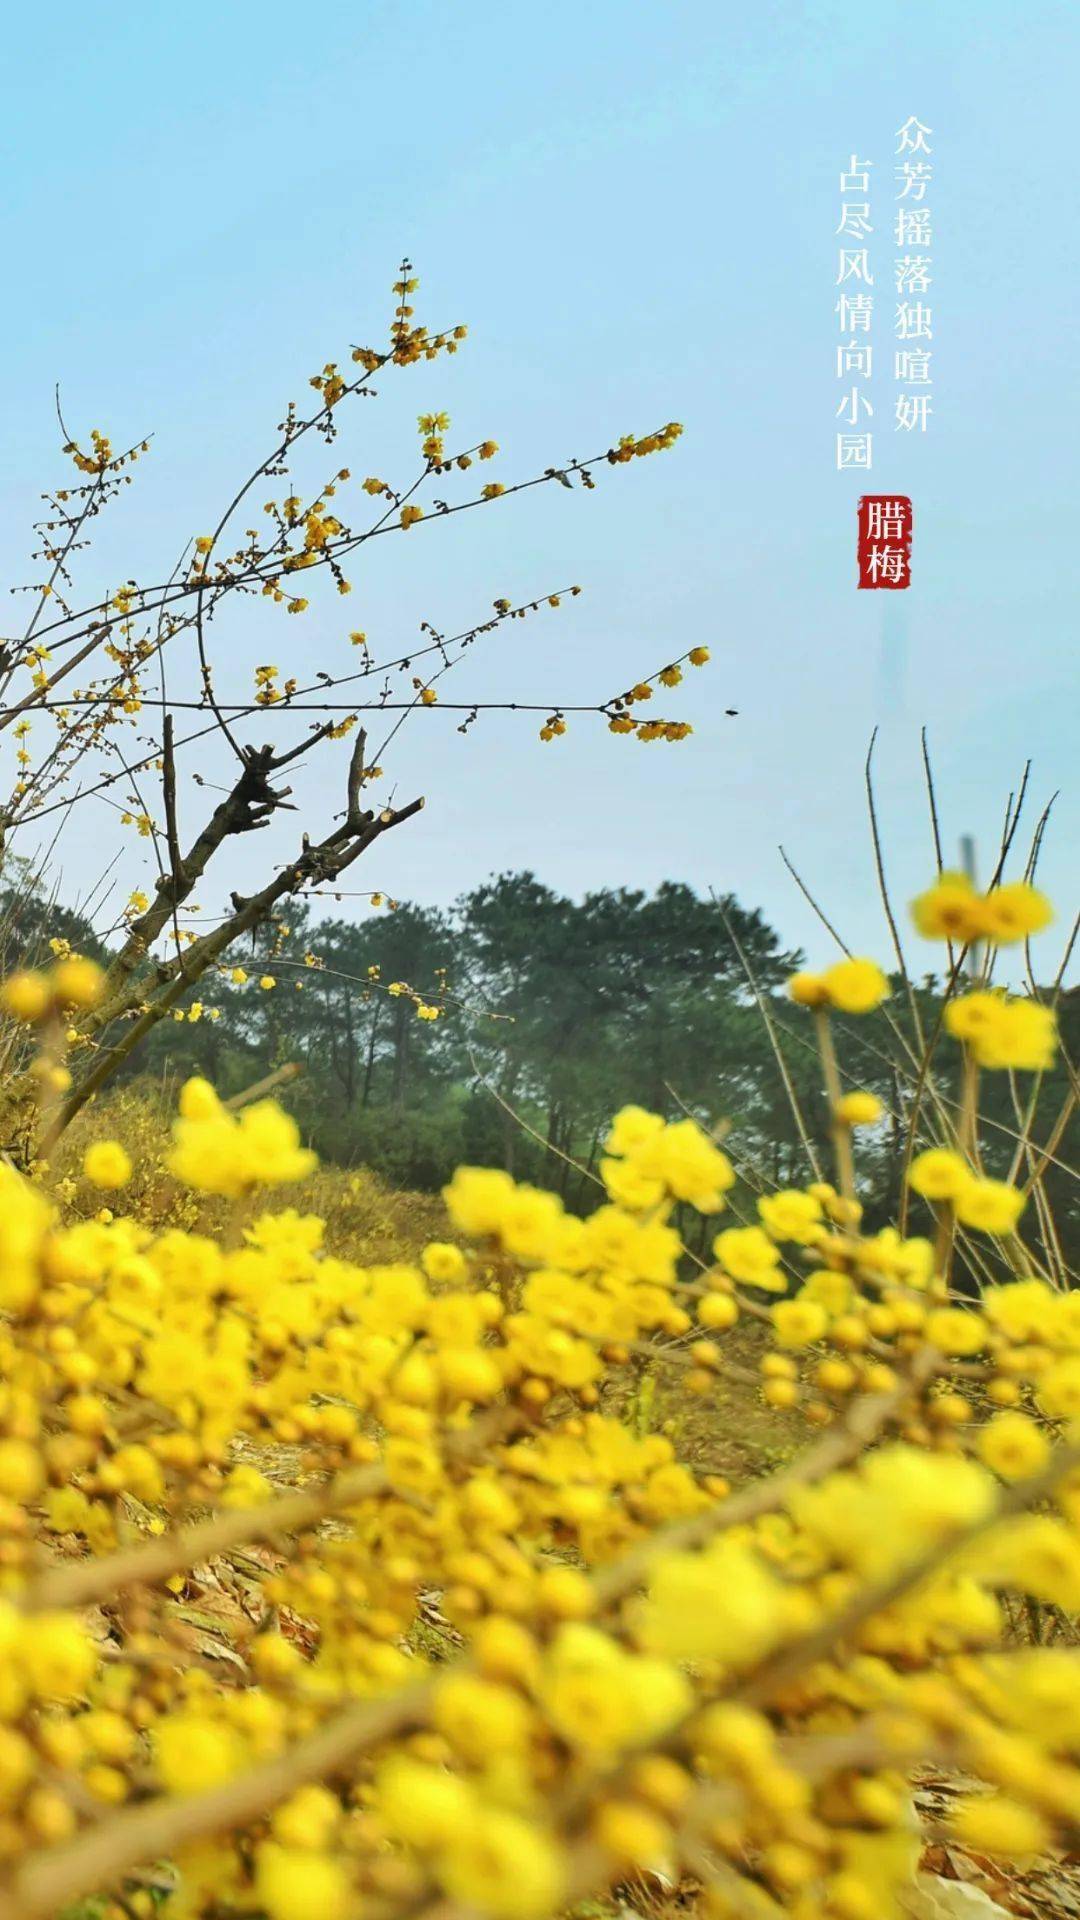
column 129, row 641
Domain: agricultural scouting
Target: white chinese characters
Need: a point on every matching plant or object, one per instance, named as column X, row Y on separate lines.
column 855, row 311
column 912, row 278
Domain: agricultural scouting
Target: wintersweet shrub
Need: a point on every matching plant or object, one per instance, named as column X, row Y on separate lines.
column 633, row 1665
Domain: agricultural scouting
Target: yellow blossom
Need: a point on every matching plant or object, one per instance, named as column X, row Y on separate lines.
column 193, row 1752
column 1013, row 1446
column 26, row 995
column 855, row 986
column 77, row 983
column 296, row 1884
column 991, row 1206
column 1014, row 912
column 747, row 1254
column 503, row 1865
column 791, row 1215
column 1003, row 1032
column 949, row 910
column 799, row 1323
column 107, row 1164
column 938, row 1174
column 443, row 1262
column 997, row 1824
column 858, row 1109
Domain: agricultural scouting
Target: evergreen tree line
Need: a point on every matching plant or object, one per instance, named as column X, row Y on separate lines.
column 551, row 1014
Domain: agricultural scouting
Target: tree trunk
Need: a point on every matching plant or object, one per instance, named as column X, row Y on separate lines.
column 369, row 1068
column 402, row 1030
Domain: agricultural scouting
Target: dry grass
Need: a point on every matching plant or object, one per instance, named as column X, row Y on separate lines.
column 365, row 1220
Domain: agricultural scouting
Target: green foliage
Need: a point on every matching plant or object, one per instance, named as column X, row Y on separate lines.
column 554, row 1013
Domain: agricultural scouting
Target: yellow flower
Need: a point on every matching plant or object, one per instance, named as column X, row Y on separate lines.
column 193, row 1752
column 1004, row 1033
column 308, row 1818
column 57, row 1656
column 22, row 1471
column 1058, row 1390
column 24, row 1219
column 1026, row 1038
column 956, row 1331
column 689, row 1164
column 858, row 1109
column 422, row 1805
column 1035, row 1554
column 443, row 1262
column 26, row 996
column 718, row 1311
column 855, row 986
column 602, row 1699
column 791, row 1215
column 952, row 910
column 949, row 910
column 938, row 1174
column 480, row 1717
column 631, row 1128
column 216, row 1151
column 1013, row 1446
column 798, row 1323
column 722, row 1604
column 633, row 1834
column 1013, row 912
column 996, row 1824
column 832, row 1290
column 16, row 1765
column 477, row 1199
column 808, row 989
column 294, row 1884
column 747, row 1254
column 927, row 1498
column 503, row 1865
column 77, row 983
column 972, row 1016
column 566, row 1593
column 106, row 1164
column 530, row 1222
column 1023, row 1310
column 198, row 1100
column 628, row 1184
column 991, row 1206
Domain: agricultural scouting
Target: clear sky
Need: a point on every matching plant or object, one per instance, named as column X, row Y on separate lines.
column 634, row 207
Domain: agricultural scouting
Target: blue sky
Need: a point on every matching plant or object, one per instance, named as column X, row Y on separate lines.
column 634, row 209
